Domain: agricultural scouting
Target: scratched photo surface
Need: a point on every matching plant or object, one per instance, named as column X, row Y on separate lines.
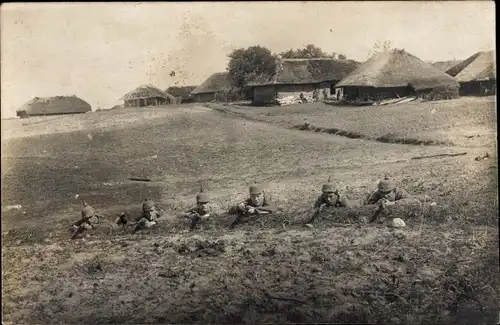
column 253, row 162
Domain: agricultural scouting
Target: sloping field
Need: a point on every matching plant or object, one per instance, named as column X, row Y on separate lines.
column 102, row 120
column 439, row 268
column 178, row 152
column 466, row 121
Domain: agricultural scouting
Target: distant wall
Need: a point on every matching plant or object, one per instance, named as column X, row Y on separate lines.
column 478, row 88
column 266, row 94
column 204, row 97
column 371, row 93
column 143, row 102
column 306, row 89
column 23, row 114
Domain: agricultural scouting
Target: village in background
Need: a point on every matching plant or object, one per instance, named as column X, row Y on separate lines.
column 257, row 77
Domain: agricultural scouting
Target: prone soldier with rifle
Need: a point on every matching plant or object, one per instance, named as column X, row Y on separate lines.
column 330, row 197
column 387, row 194
column 87, row 221
column 256, row 204
column 202, row 211
column 150, row 215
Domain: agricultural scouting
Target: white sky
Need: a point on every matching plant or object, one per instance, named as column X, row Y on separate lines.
column 100, row 51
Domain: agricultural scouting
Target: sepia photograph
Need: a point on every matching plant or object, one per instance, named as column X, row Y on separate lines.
column 263, row 162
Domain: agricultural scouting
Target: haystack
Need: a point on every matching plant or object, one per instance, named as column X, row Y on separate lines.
column 394, row 74
column 57, row 105
column 147, row 95
column 217, row 83
column 477, row 74
column 296, row 76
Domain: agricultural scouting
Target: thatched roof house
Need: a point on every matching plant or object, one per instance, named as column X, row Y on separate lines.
column 147, row 95
column 480, row 65
column 445, row 65
column 392, row 74
column 477, row 74
column 217, row 83
column 301, row 76
column 56, row 105
column 182, row 92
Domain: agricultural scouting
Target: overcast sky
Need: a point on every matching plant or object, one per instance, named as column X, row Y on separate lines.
column 100, row 51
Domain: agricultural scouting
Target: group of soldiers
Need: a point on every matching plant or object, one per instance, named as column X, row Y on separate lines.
column 257, row 204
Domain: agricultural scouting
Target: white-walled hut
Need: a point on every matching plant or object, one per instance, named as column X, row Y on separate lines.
column 394, row 74
column 217, row 84
column 147, row 95
column 477, row 74
column 57, row 105
column 300, row 76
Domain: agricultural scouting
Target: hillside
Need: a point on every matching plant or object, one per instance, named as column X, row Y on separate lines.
column 272, row 270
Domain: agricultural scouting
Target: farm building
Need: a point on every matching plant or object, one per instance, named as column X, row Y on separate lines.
column 147, row 95
column 182, row 92
column 58, row 105
column 477, row 75
column 445, row 65
column 300, row 76
column 395, row 74
column 217, row 83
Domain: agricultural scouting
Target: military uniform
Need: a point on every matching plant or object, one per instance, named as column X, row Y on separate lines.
column 331, row 198
column 202, row 211
column 150, row 214
column 387, row 191
column 251, row 207
column 88, row 219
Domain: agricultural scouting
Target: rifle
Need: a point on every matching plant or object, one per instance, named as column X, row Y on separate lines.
column 80, row 224
column 195, row 218
column 377, row 212
column 241, row 215
column 314, row 216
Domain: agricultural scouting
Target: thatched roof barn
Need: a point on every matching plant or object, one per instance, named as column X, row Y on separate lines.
column 445, row 65
column 147, row 95
column 217, row 83
column 57, row 105
column 309, row 77
column 393, row 74
column 477, row 74
column 182, row 92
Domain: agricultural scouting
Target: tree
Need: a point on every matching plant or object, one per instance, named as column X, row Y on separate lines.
column 379, row 47
column 309, row 51
column 342, row 57
column 247, row 63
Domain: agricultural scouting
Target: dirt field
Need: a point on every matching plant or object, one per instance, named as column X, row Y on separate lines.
column 443, row 267
column 465, row 121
